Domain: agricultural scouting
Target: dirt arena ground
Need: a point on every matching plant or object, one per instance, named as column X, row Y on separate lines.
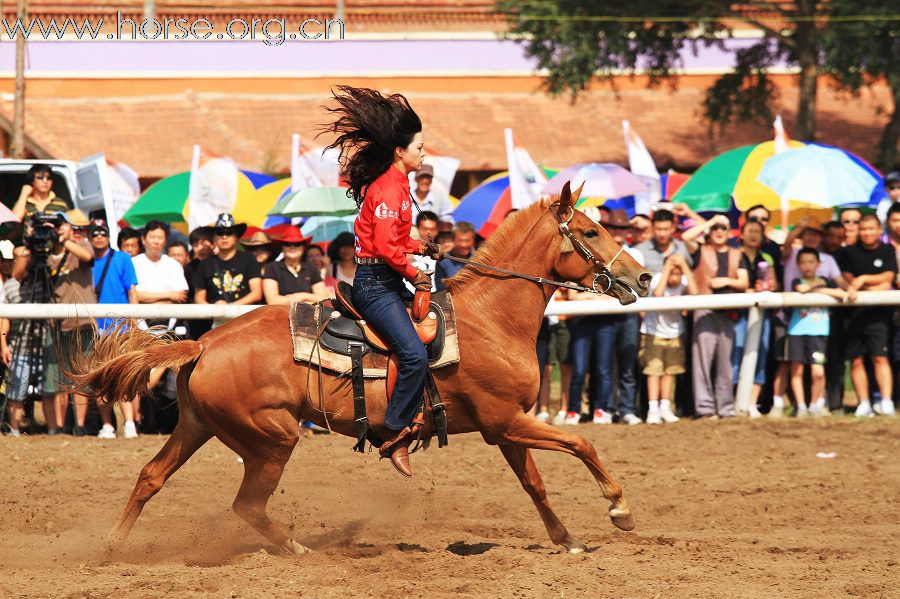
column 723, row 509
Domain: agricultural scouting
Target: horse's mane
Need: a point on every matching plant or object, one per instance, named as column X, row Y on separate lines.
column 509, row 232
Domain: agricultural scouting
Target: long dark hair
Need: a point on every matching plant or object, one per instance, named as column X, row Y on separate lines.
column 369, row 126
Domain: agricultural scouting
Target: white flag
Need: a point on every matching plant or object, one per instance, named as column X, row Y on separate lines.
column 213, row 187
column 640, row 162
column 526, row 179
column 302, row 174
column 782, row 141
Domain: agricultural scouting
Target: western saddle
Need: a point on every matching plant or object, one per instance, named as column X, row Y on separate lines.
column 348, row 333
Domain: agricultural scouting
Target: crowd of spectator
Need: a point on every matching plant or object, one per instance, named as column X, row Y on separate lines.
column 689, row 362
column 634, row 368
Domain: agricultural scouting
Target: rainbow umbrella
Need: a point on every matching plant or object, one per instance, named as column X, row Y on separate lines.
column 732, row 176
column 166, row 200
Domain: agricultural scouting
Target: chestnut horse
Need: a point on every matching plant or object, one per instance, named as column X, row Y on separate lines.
column 240, row 383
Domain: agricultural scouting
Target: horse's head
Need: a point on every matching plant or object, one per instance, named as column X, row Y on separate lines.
column 589, row 255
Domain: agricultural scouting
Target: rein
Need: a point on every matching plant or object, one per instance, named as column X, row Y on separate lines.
column 600, row 270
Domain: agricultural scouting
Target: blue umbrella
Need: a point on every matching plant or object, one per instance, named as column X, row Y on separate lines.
column 326, row 228
column 817, row 175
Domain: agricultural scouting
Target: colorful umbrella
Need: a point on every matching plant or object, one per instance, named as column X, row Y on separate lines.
column 601, row 180
column 671, row 182
column 166, row 200
column 734, row 175
column 817, row 175
column 316, row 201
column 485, row 202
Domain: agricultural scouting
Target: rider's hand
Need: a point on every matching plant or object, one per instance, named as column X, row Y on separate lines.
column 431, row 249
column 422, row 281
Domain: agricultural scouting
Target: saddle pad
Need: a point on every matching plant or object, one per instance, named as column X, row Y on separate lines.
column 304, row 328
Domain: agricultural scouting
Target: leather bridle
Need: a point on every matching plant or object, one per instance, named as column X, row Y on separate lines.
column 601, row 271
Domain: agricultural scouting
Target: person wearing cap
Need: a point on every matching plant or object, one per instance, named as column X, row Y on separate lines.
column 230, row 276
column 38, row 195
column 427, row 199
column 717, row 270
column 70, row 266
column 892, row 187
column 261, row 247
column 291, row 279
column 115, row 282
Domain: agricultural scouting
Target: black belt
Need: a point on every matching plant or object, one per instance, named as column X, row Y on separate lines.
column 369, row 260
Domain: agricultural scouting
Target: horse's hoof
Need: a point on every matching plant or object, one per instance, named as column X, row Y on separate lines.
column 575, row 546
column 298, row 549
column 622, row 518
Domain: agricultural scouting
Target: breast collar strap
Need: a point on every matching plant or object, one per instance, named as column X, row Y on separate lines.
column 601, row 271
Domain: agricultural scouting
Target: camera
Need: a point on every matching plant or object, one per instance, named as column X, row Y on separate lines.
column 43, row 234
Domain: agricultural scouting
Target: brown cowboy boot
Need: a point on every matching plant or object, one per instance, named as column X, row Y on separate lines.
column 398, row 450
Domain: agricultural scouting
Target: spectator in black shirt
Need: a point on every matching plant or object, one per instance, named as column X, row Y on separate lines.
column 292, row 279
column 869, row 265
column 230, row 277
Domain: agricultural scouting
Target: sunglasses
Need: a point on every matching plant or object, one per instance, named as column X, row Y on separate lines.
column 758, row 219
column 99, row 234
column 894, row 186
column 225, row 232
column 42, row 177
column 293, row 245
column 849, row 222
column 718, row 228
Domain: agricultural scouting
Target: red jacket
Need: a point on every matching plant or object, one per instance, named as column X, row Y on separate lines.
column 384, row 221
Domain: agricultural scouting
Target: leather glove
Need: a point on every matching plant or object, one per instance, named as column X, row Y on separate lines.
column 422, row 281
column 431, row 249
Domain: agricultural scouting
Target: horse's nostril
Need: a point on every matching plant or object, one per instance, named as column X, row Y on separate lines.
column 645, row 279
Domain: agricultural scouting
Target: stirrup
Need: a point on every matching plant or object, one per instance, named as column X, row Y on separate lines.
column 388, row 446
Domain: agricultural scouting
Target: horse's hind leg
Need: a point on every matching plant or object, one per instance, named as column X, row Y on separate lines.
column 261, row 475
column 527, row 431
column 189, row 435
column 523, row 465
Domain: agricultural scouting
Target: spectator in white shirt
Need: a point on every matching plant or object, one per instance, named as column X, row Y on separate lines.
column 427, row 226
column 160, row 278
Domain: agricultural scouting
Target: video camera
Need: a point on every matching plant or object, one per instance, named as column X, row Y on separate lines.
column 43, row 235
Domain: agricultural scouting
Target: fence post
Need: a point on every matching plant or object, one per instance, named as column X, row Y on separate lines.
column 747, row 372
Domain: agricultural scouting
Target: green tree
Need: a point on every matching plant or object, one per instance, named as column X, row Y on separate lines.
column 575, row 40
column 859, row 52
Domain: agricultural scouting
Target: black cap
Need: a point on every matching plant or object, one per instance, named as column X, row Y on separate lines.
column 892, row 177
column 98, row 224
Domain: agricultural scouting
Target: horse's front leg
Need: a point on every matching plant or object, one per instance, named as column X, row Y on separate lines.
column 528, row 432
column 523, row 465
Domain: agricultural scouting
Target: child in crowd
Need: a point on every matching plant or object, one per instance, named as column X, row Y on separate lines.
column 662, row 344
column 808, row 334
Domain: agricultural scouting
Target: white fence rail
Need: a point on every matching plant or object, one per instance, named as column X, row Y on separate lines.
column 755, row 303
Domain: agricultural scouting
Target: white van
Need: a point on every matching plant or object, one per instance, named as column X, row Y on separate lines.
column 84, row 185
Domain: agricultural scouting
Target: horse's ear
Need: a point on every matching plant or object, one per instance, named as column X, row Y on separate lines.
column 565, row 198
column 577, row 193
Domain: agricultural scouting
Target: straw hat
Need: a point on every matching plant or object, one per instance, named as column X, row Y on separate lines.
column 77, row 218
column 259, row 238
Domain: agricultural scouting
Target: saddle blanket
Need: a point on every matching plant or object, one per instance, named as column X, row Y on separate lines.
column 307, row 320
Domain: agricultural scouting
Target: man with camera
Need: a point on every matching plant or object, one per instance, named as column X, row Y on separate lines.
column 52, row 268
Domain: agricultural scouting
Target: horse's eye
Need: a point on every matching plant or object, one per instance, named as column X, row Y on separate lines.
column 591, row 233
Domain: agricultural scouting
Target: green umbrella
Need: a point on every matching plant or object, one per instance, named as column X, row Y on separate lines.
column 316, row 201
column 164, row 200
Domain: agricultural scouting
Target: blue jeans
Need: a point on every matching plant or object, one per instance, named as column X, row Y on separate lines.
column 378, row 293
column 626, row 341
column 740, row 337
column 591, row 338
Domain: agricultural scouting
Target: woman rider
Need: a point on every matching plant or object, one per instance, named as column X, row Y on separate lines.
column 380, row 140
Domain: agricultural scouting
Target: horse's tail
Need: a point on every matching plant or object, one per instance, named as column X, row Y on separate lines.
column 118, row 366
